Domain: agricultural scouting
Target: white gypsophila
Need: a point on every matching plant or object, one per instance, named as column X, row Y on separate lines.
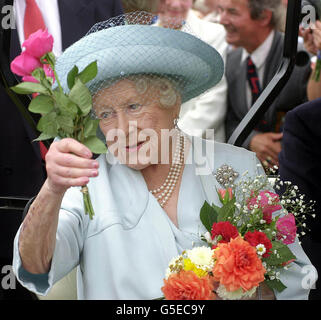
column 234, row 295
column 202, row 257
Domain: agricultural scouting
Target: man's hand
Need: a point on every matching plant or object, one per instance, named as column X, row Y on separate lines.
column 267, row 147
column 307, row 35
column 317, row 35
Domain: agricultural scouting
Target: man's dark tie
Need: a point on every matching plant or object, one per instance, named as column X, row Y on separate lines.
column 255, row 86
column 253, row 80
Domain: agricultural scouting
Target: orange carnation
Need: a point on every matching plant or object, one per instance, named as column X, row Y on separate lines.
column 186, row 285
column 237, row 265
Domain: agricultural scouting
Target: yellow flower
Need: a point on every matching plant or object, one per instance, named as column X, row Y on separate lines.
column 190, row 266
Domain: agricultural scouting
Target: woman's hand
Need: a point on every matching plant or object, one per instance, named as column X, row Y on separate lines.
column 69, row 164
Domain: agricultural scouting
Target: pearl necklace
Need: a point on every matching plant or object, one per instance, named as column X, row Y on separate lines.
column 164, row 192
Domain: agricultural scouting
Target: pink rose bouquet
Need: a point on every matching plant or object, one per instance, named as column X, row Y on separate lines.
column 62, row 115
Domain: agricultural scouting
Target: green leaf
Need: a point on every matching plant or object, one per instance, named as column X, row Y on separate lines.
column 89, row 73
column 64, row 104
column 283, row 254
column 65, row 123
column 44, row 136
column 208, row 216
column 29, row 88
column 41, row 104
column 90, row 127
column 95, row 145
column 72, row 76
column 226, row 211
column 80, row 95
column 275, row 284
column 48, row 125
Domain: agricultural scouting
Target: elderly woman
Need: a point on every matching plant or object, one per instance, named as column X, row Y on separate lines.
column 148, row 190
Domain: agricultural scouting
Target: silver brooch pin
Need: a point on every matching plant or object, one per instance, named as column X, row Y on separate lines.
column 226, row 176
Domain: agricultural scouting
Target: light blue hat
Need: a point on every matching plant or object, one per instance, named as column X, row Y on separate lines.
column 133, row 49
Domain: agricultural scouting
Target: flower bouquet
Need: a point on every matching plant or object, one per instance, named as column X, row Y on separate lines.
column 247, row 243
column 62, row 115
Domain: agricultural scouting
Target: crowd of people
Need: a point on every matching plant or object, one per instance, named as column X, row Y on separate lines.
column 249, row 37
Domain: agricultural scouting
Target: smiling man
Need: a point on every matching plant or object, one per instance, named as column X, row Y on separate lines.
column 251, row 27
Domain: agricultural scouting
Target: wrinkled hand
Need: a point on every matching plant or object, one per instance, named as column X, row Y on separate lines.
column 267, row 147
column 69, row 164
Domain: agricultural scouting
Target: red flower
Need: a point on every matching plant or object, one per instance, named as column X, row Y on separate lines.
column 255, row 238
column 186, row 285
column 226, row 230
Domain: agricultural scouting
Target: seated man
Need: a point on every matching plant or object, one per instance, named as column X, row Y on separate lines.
column 251, row 26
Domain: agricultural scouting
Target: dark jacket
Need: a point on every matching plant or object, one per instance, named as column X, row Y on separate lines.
column 300, row 163
column 21, row 170
column 292, row 95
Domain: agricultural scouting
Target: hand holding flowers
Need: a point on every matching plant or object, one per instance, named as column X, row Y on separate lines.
column 62, row 115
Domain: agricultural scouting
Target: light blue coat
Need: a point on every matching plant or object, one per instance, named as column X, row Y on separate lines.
column 124, row 251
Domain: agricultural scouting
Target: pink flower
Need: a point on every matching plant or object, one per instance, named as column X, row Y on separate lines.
column 25, row 64
column 222, row 192
column 39, row 43
column 263, row 204
column 286, row 229
column 29, row 79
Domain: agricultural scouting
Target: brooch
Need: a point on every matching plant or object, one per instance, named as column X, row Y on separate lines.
column 226, row 176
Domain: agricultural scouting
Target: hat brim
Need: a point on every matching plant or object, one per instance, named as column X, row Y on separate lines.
column 140, row 49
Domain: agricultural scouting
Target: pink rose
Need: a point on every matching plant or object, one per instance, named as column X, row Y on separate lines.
column 25, row 64
column 286, row 229
column 263, row 204
column 222, row 193
column 39, row 43
column 29, row 79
